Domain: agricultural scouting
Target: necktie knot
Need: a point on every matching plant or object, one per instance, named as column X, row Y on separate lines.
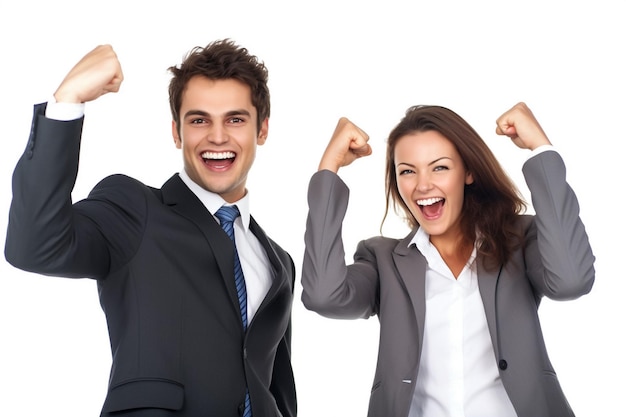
column 227, row 214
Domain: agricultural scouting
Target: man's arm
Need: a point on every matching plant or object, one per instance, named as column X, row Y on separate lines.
column 41, row 234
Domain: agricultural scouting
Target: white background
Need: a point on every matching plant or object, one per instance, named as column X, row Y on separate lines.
column 365, row 60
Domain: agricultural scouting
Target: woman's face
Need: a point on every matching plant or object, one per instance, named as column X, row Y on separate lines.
column 431, row 180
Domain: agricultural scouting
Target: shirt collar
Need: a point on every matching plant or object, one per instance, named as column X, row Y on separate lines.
column 421, row 239
column 213, row 201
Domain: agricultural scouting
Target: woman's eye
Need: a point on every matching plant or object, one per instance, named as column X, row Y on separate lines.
column 405, row 171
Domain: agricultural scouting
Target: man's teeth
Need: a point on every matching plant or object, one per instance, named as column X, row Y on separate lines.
column 218, row 155
column 429, row 201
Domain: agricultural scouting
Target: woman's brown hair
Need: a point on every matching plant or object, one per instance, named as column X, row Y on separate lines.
column 491, row 203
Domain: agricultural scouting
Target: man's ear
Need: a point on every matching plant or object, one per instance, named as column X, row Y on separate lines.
column 262, row 136
column 175, row 135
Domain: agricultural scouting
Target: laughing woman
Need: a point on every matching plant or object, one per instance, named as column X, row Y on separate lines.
column 457, row 298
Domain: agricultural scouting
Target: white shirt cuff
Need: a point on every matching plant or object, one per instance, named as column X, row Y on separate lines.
column 64, row 111
column 540, row 149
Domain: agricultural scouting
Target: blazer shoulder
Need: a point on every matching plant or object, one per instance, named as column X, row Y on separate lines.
column 123, row 187
column 381, row 242
column 380, row 247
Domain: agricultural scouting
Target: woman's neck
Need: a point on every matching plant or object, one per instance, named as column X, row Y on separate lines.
column 454, row 252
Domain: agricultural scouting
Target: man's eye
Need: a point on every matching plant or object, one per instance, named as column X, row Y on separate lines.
column 197, row 121
column 236, row 120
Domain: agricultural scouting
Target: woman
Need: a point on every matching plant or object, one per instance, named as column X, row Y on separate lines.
column 457, row 298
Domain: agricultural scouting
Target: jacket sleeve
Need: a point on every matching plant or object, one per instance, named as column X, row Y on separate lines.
column 48, row 234
column 559, row 258
column 330, row 287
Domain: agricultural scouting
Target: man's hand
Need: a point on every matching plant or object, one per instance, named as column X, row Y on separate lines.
column 97, row 73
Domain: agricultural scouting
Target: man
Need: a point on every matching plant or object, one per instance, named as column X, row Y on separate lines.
column 186, row 338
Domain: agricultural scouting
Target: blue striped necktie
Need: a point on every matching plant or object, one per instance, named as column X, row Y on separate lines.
column 227, row 216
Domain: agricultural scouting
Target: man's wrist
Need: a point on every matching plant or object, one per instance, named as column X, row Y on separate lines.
column 64, row 111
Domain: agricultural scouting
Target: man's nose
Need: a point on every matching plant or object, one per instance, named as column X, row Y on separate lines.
column 217, row 134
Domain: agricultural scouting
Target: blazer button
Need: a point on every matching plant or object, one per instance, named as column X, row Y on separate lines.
column 502, row 364
column 245, row 353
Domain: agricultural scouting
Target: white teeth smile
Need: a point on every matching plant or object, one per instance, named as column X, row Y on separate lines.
column 429, row 201
column 218, row 155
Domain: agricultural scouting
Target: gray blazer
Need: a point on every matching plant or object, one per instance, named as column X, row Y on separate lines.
column 387, row 280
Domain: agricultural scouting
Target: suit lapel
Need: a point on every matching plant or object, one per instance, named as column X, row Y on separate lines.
column 279, row 269
column 487, row 285
column 411, row 266
column 182, row 200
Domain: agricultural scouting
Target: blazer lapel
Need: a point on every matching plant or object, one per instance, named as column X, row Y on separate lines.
column 487, row 285
column 280, row 273
column 411, row 266
column 182, row 200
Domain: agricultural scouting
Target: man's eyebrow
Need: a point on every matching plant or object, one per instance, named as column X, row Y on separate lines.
column 230, row 113
column 194, row 112
column 238, row 112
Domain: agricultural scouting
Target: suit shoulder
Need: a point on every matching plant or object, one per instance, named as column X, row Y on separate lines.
column 119, row 180
column 378, row 244
column 120, row 184
column 121, row 193
column 381, row 241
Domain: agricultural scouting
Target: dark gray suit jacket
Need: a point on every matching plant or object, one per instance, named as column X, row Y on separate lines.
column 387, row 279
column 164, row 269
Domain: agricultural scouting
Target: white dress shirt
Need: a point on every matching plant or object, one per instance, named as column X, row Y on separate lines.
column 255, row 264
column 458, row 374
column 254, row 261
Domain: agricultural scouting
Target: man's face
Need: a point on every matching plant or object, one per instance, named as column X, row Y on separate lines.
column 218, row 135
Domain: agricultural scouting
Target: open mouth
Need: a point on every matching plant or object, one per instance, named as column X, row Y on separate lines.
column 431, row 207
column 218, row 160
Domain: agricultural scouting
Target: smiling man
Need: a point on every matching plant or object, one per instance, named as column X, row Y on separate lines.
column 218, row 130
column 197, row 325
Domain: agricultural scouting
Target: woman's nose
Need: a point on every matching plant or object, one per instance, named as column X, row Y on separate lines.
column 423, row 184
